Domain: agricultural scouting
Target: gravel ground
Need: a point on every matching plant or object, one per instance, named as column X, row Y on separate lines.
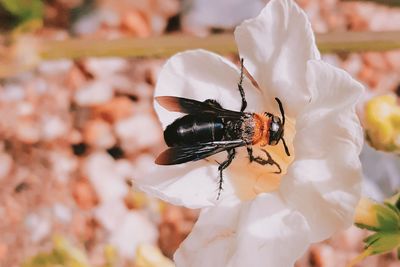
column 73, row 136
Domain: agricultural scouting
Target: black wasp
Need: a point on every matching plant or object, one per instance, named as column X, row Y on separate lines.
column 208, row 129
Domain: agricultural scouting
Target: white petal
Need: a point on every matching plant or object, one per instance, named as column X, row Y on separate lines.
column 262, row 232
column 324, row 180
column 213, row 237
column 193, row 185
column 202, row 75
column 276, row 46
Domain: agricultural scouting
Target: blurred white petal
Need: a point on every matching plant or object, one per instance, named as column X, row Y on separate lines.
column 380, row 182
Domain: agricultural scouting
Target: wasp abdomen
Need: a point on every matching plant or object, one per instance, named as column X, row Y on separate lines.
column 192, row 129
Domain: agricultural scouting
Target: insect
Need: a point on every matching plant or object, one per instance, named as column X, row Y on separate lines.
column 208, row 128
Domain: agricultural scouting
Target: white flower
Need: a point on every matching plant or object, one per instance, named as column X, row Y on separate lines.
column 266, row 219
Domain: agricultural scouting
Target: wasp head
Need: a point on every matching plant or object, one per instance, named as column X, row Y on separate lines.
column 276, row 126
column 275, row 130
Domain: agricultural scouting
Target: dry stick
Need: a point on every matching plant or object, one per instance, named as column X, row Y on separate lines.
column 383, row 2
column 165, row 46
column 28, row 52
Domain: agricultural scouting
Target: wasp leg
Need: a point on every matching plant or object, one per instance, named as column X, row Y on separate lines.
column 240, row 87
column 262, row 161
column 223, row 166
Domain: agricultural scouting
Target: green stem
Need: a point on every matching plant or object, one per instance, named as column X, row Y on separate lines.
column 165, row 46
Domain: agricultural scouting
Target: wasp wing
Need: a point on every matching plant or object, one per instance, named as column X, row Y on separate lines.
column 182, row 154
column 191, row 106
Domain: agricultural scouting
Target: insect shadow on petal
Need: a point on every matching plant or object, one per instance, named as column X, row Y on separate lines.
column 208, row 129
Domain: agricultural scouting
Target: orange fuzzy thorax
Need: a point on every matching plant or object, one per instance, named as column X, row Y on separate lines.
column 261, row 133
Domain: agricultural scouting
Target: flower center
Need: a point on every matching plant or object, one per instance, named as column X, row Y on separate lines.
column 251, row 179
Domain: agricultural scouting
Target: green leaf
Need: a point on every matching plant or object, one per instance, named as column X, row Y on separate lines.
column 384, row 242
column 388, row 217
column 24, row 9
column 63, row 254
column 11, row 6
column 366, row 226
column 370, row 240
column 384, row 220
column 394, row 200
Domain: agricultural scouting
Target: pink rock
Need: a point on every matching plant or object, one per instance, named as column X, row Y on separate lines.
column 27, row 131
column 323, row 255
column 134, row 229
column 64, row 165
column 39, row 226
column 53, row 127
column 393, row 58
column 108, row 184
column 110, row 214
column 94, row 93
column 55, row 67
column 3, row 251
column 6, row 164
column 353, row 64
column 135, row 21
column 103, row 67
column 116, row 109
column 25, row 108
column 98, row 133
column 138, row 132
column 376, row 60
column 84, row 195
column 62, row 212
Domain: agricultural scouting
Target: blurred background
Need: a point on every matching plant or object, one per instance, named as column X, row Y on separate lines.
column 73, row 133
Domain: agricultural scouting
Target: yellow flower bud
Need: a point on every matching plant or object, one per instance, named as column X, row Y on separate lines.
column 375, row 216
column 382, row 122
column 384, row 220
column 151, row 256
column 366, row 213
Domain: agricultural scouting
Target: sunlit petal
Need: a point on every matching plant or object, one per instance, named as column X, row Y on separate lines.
column 202, row 75
column 276, row 46
column 324, row 181
column 263, row 232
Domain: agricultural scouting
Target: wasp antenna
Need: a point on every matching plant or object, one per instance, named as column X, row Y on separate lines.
column 241, row 70
column 286, row 148
column 281, row 109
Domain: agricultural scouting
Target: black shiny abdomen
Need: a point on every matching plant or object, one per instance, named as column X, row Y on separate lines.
column 193, row 129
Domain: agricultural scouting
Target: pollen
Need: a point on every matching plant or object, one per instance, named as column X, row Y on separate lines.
column 250, row 178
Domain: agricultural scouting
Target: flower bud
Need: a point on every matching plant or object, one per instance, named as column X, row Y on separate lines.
column 377, row 217
column 150, row 256
column 384, row 220
column 382, row 123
